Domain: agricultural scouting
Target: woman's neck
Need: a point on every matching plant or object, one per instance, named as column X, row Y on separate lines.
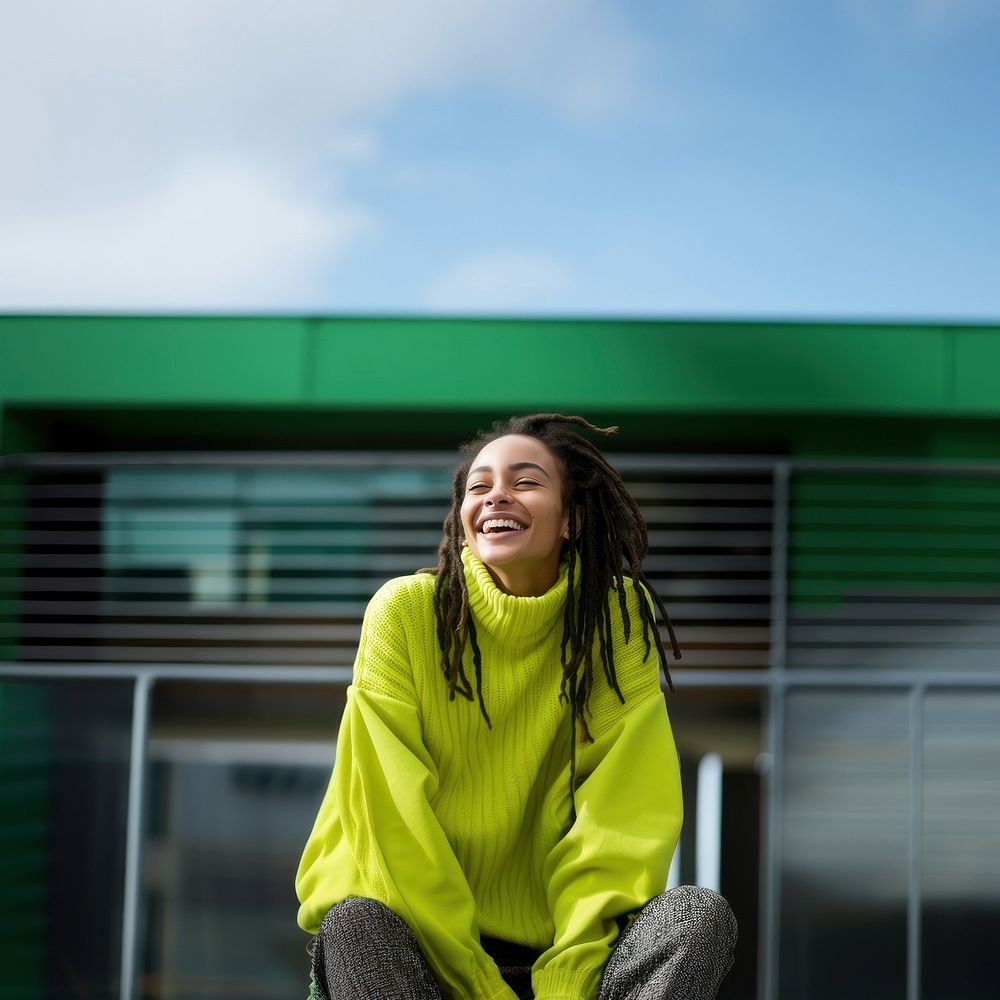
column 525, row 581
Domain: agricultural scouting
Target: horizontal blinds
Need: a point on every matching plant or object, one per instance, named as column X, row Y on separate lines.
column 710, row 559
column 274, row 565
column 899, row 571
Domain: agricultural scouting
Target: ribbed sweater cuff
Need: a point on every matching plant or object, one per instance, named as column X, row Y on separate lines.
column 574, row 985
column 491, row 986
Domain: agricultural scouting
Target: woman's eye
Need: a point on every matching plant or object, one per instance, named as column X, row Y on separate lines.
column 478, row 486
column 526, row 482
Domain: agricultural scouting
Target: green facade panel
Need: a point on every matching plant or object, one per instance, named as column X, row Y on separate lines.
column 508, row 364
column 977, row 370
column 631, row 365
column 151, row 359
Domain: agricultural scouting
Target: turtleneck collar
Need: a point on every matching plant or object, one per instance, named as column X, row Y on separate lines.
column 496, row 611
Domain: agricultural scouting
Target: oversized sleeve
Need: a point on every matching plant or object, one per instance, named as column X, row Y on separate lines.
column 376, row 821
column 616, row 855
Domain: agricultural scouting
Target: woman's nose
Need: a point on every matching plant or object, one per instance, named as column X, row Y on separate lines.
column 497, row 495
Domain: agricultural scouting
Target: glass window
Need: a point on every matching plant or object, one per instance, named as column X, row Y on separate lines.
column 845, row 841
column 723, row 726
column 237, row 774
column 64, row 761
column 961, row 863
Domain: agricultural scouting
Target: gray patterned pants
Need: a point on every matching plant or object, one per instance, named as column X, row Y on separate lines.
column 678, row 947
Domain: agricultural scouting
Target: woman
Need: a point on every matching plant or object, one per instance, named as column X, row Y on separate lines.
column 513, row 841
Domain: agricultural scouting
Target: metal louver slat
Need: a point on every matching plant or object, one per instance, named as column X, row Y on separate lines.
column 327, row 656
column 194, row 632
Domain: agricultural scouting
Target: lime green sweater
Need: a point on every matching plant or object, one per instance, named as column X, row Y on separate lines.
column 462, row 829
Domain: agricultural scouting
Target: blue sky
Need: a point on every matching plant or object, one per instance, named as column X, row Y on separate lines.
column 728, row 158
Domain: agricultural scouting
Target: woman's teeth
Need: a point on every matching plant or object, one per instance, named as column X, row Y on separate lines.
column 499, row 524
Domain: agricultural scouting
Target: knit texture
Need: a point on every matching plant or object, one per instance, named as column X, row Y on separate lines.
column 463, row 829
column 678, row 947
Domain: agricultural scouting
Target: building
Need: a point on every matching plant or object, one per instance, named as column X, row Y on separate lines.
column 195, row 510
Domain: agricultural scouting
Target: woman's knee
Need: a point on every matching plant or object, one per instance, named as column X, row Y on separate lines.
column 359, row 915
column 364, row 950
column 698, row 912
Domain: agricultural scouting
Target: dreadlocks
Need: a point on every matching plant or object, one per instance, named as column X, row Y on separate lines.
column 611, row 540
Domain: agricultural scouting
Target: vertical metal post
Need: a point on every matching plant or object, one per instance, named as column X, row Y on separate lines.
column 768, row 951
column 914, row 894
column 133, row 832
column 770, row 872
column 779, row 565
column 708, row 823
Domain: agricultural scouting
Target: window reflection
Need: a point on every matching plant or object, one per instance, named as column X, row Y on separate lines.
column 961, row 863
column 64, row 761
column 237, row 774
column 844, row 840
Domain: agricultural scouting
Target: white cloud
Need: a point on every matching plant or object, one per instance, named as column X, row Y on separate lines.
column 113, row 88
column 351, row 148
column 104, row 106
column 502, row 282
column 216, row 235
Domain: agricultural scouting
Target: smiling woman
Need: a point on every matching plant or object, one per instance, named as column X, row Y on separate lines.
column 515, row 851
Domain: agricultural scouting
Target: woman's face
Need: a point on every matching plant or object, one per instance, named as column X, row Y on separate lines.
column 513, row 513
